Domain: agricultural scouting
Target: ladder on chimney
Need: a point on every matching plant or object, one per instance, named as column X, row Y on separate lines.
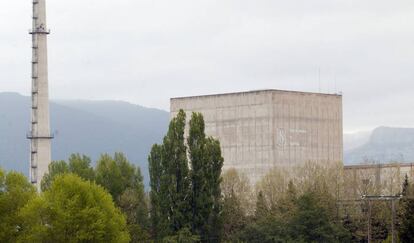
column 37, row 30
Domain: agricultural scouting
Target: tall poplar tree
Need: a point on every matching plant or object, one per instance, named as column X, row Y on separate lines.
column 159, row 223
column 214, row 181
column 201, row 201
column 175, row 182
column 185, row 187
column 170, row 181
column 206, row 164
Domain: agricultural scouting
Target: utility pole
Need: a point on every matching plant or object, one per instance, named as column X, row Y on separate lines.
column 371, row 198
column 369, row 221
column 393, row 220
column 39, row 135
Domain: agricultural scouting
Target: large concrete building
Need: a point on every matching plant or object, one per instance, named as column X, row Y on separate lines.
column 262, row 129
column 40, row 144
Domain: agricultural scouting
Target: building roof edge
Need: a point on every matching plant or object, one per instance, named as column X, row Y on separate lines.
column 258, row 91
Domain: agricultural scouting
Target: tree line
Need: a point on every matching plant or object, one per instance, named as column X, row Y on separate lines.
column 78, row 203
column 310, row 203
column 190, row 199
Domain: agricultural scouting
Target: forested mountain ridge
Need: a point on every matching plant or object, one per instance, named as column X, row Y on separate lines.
column 87, row 127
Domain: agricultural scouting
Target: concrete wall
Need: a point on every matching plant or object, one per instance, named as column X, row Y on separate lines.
column 376, row 179
column 259, row 130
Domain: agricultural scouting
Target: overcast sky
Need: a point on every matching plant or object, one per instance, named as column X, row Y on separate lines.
column 146, row 51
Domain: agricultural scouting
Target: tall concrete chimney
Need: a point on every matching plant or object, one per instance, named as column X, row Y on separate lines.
column 40, row 136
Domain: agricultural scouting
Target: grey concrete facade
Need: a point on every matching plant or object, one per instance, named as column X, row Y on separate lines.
column 376, row 179
column 40, row 144
column 259, row 130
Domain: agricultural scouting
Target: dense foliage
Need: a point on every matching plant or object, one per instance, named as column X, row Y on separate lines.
column 119, row 177
column 185, row 182
column 170, row 182
column 77, row 164
column 305, row 205
column 125, row 183
column 292, row 217
column 15, row 193
column 73, row 210
column 70, row 210
column 406, row 215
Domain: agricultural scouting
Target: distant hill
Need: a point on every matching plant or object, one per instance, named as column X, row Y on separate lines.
column 88, row 127
column 385, row 145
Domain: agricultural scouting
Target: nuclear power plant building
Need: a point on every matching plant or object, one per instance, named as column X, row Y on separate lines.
column 259, row 130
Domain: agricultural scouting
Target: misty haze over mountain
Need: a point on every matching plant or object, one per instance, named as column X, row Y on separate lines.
column 85, row 127
column 96, row 127
column 383, row 145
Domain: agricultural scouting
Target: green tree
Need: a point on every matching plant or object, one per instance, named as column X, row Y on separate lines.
column 180, row 197
column 234, row 218
column 214, row 169
column 406, row 215
column 124, row 182
column 237, row 194
column 175, row 185
column 311, row 223
column 265, row 225
column 287, row 206
column 206, row 163
column 133, row 204
column 170, row 181
column 205, row 185
column 201, row 200
column 183, row 236
column 268, row 230
column 55, row 168
column 286, row 213
column 262, row 211
column 355, row 227
column 81, row 166
column 15, row 192
column 108, row 175
column 73, row 210
column 78, row 164
column 380, row 221
column 239, row 185
column 159, row 224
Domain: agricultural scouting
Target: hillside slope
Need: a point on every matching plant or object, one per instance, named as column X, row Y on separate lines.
column 88, row 127
column 385, row 145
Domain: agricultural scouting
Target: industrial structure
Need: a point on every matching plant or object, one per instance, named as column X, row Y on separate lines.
column 259, row 130
column 39, row 135
column 382, row 179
